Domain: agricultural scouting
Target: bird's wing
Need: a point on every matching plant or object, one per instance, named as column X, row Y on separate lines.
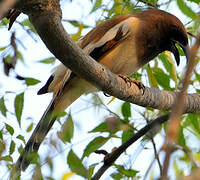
column 96, row 43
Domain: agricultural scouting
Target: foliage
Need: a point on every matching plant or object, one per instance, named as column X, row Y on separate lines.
column 117, row 126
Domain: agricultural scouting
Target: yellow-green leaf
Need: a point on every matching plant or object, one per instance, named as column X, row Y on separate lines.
column 186, row 9
column 10, row 129
column 31, row 81
column 12, row 147
column 126, row 110
column 75, row 164
column 95, row 144
column 76, row 36
column 6, row 158
column 19, row 104
column 151, row 77
column 3, row 107
column 67, row 175
column 49, row 60
column 97, row 5
column 67, row 131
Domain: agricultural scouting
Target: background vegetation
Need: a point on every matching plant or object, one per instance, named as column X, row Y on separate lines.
column 96, row 121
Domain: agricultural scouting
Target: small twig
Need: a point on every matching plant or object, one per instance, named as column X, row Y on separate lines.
column 193, row 176
column 154, row 148
column 104, row 152
column 189, row 33
column 165, row 3
column 174, row 123
column 148, row 170
column 156, row 156
column 148, row 4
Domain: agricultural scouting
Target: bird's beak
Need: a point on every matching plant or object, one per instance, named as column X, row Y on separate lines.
column 186, row 51
column 175, row 51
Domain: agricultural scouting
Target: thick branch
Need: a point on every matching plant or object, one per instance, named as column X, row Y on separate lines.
column 45, row 15
column 47, row 22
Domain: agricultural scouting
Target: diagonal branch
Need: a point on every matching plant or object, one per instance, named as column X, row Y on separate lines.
column 174, row 122
column 113, row 156
column 45, row 15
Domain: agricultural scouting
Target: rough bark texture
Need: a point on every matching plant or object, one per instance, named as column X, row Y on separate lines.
column 45, row 15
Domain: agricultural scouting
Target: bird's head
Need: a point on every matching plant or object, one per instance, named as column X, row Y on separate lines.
column 176, row 34
column 161, row 31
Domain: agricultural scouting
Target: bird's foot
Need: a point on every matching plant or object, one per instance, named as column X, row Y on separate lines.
column 131, row 80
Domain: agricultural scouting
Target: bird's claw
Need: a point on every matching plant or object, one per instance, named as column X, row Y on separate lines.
column 131, row 80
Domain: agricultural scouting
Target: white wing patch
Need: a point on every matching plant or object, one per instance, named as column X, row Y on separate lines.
column 125, row 28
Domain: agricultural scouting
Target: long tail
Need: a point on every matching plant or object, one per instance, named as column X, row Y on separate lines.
column 41, row 130
column 62, row 99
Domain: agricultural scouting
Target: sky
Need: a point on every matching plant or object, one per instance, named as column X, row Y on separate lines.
column 81, row 110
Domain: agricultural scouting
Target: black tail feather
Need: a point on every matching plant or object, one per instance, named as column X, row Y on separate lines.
column 30, row 151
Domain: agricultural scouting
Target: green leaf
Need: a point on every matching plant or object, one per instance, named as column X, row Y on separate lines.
column 6, row 158
column 117, row 176
column 9, row 129
column 20, row 149
column 3, row 48
column 97, row 5
column 103, row 127
column 20, row 137
column 181, row 138
column 186, row 9
column 95, row 144
column 195, row 1
column 27, row 23
column 4, row 22
column 197, row 76
column 12, row 147
column 126, row 172
column 162, row 78
column 76, row 23
column 20, row 56
column 127, row 134
column 194, row 122
column 2, row 147
column 111, row 125
column 76, row 165
column 48, row 60
column 19, row 104
column 31, row 81
column 91, row 169
column 1, row 135
column 30, row 127
column 169, row 66
column 3, row 107
column 152, row 80
column 67, row 131
column 126, row 110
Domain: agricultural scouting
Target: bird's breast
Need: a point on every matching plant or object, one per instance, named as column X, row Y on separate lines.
column 122, row 59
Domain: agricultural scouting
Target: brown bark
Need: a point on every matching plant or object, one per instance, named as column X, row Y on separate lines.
column 45, row 15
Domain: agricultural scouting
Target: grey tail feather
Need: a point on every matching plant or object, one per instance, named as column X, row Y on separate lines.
column 29, row 153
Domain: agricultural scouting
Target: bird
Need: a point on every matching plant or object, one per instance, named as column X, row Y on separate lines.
column 124, row 44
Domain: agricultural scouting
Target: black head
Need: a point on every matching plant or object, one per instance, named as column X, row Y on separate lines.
column 160, row 31
column 175, row 34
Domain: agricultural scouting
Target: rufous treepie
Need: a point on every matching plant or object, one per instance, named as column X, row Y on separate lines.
column 123, row 44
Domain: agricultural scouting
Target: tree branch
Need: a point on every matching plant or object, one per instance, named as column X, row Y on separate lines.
column 46, row 18
column 177, row 111
column 45, row 15
column 6, row 5
column 113, row 156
